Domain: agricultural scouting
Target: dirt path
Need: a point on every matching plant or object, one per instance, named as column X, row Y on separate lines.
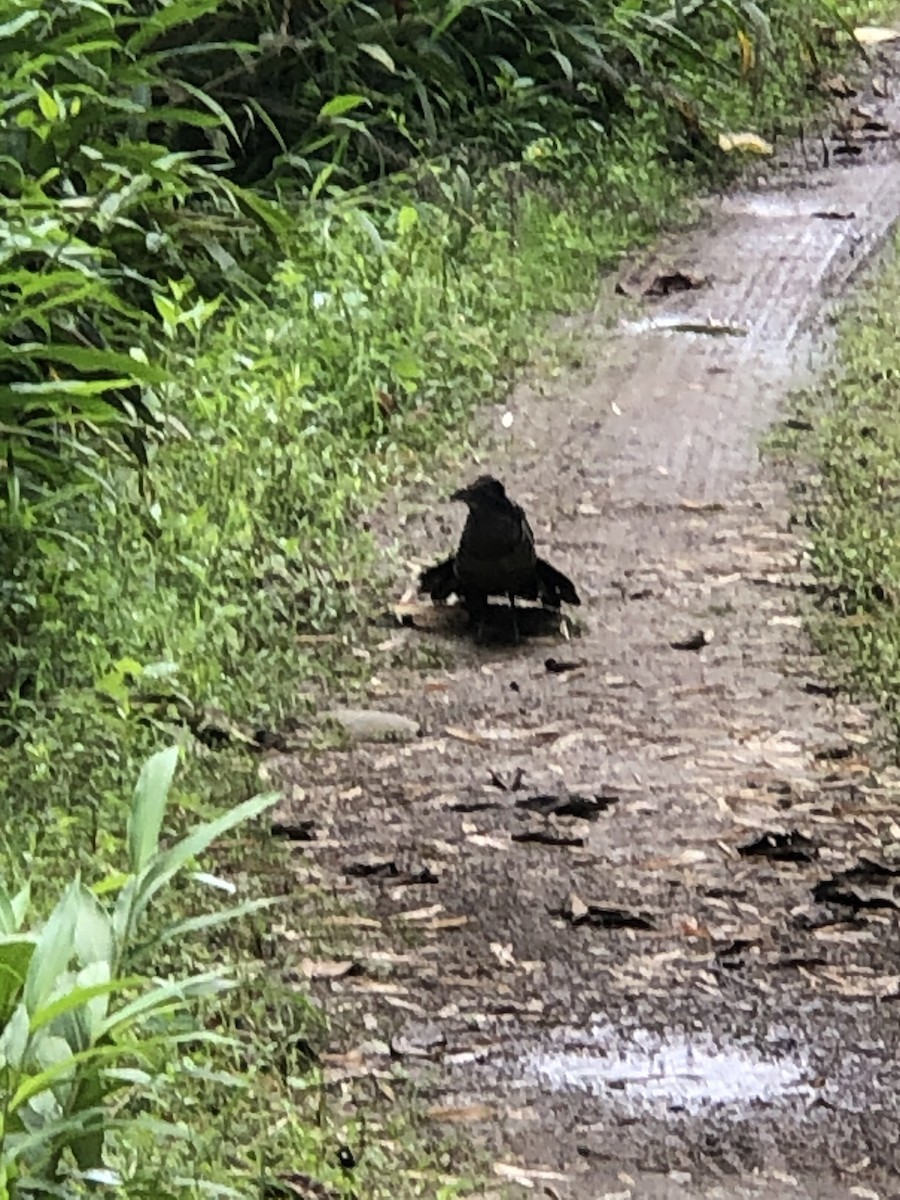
column 621, row 1002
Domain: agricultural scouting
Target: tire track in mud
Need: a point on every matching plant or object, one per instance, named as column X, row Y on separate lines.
column 630, row 1000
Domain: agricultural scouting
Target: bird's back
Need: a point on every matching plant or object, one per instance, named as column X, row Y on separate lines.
column 496, row 552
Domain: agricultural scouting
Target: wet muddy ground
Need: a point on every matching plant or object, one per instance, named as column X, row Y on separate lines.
column 629, row 913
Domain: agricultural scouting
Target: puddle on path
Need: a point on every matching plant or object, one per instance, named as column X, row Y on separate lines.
column 676, row 1073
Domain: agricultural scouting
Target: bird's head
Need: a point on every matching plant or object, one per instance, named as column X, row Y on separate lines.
column 485, row 491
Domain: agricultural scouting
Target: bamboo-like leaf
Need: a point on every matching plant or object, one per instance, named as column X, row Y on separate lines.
column 53, row 950
column 211, row 920
column 79, row 996
column 148, row 807
column 159, row 871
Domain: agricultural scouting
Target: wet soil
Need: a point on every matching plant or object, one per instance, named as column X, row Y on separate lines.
column 630, row 920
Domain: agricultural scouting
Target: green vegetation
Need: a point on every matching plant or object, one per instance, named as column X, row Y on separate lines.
column 256, row 264
column 73, row 1037
column 853, row 500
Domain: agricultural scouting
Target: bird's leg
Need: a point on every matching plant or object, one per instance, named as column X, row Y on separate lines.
column 514, row 618
column 477, row 607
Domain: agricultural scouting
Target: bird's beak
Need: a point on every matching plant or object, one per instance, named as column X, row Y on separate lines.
column 463, row 495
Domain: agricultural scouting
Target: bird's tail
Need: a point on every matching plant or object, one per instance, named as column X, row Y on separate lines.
column 439, row 581
column 555, row 587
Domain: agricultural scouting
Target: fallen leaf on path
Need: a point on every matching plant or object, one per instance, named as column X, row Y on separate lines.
column 577, row 912
column 526, row 1176
column 462, row 1112
column 664, row 283
column 294, row 831
column 372, row 867
column 862, row 985
column 421, row 914
column 874, row 35
column 473, row 806
column 353, row 922
column 847, row 149
column 466, row 735
column 379, row 988
column 676, row 281
column 423, row 1046
column 545, row 837
column 750, row 143
column 540, row 734
column 488, row 842
column 703, row 506
column 586, row 808
column 781, row 847
column 514, row 784
column 325, row 969
column 503, row 954
column 445, row 923
column 696, row 641
column 869, row 884
column 555, row 667
column 837, row 85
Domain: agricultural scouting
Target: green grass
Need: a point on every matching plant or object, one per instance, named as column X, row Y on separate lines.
column 852, row 500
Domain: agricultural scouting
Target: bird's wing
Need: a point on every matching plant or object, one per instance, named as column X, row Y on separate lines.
column 527, row 533
column 439, row 582
column 555, row 586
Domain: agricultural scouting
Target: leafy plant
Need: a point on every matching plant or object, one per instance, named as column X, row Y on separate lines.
column 97, row 215
column 342, row 93
column 78, row 1022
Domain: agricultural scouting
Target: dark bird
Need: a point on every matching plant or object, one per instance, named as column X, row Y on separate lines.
column 496, row 556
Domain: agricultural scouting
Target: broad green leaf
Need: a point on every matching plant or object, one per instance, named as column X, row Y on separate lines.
column 46, row 103
column 365, row 222
column 169, row 995
column 407, row 367
column 212, row 104
column 112, row 883
column 379, row 54
column 338, row 106
column 7, row 916
column 565, row 64
column 17, row 24
column 88, row 359
column 407, row 219
column 163, row 17
column 71, row 387
column 81, row 995
column 89, row 1094
column 53, row 950
column 63, row 1064
column 14, row 1038
column 18, row 1147
column 148, row 807
column 94, row 941
column 125, row 912
column 53, row 1053
column 20, row 903
column 15, row 955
